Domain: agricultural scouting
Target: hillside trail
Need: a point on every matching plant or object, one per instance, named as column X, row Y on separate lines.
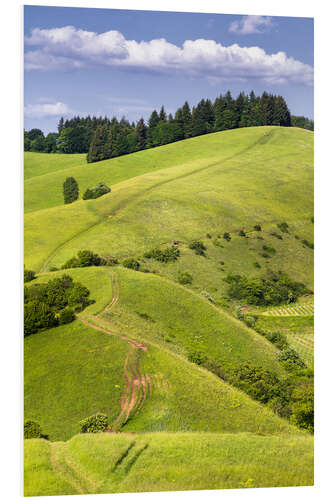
column 137, row 384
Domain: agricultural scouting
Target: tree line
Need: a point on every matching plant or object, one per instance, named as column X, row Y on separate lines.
column 102, row 138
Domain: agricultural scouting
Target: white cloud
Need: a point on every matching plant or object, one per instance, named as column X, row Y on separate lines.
column 249, row 25
column 46, row 109
column 68, row 48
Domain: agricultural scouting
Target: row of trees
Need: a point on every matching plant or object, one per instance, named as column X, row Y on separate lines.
column 102, row 138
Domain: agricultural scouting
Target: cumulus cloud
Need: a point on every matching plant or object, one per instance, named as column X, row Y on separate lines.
column 46, row 109
column 250, row 25
column 70, row 48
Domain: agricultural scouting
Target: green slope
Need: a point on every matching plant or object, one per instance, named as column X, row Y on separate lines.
column 257, row 184
column 168, row 462
column 73, row 360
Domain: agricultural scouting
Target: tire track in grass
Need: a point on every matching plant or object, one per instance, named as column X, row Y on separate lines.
column 62, row 469
column 135, row 393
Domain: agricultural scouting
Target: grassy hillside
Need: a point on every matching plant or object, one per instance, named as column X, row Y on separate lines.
column 46, row 191
column 108, row 463
column 178, row 395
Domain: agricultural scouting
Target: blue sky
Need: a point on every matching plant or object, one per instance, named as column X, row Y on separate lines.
column 121, row 62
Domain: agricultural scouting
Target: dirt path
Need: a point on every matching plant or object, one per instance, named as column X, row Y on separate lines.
column 135, row 391
column 64, row 470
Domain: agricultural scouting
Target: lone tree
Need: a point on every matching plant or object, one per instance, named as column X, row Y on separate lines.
column 71, row 190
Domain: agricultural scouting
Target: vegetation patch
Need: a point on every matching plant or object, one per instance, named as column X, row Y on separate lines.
column 169, row 254
column 198, row 247
column 96, row 192
column 86, row 258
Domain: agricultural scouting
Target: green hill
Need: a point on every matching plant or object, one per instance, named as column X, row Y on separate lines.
column 118, row 463
column 77, row 360
column 134, row 353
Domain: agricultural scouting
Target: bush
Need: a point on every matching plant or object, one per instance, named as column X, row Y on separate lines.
column 169, row 254
column 131, row 264
column 108, row 260
column 96, row 191
column 276, row 338
column 269, row 250
column 185, row 278
column 308, row 244
column 256, row 381
column 66, row 316
column 217, row 243
column 71, row 190
column 209, row 235
column 256, row 264
column 94, row 423
column 276, row 235
column 242, row 233
column 32, row 429
column 227, row 236
column 290, row 359
column 257, row 227
column 273, row 290
column 198, row 247
column 78, row 296
column 197, row 357
column 283, row 226
column 29, row 275
column 38, row 316
column 303, row 407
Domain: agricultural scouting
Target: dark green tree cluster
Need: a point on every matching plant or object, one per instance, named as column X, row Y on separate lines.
column 96, row 192
column 87, row 258
column 275, row 289
column 71, row 190
column 169, row 254
column 45, row 304
column 102, row 138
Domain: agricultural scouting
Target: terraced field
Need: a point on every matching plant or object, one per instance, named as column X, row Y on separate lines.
column 298, row 309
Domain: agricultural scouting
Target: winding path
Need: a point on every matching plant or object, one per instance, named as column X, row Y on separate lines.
column 137, row 385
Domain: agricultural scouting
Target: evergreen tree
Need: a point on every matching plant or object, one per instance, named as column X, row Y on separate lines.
column 71, row 190
column 162, row 114
column 187, row 120
column 60, row 125
column 141, row 133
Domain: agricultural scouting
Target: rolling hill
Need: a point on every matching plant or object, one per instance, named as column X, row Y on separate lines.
column 130, row 353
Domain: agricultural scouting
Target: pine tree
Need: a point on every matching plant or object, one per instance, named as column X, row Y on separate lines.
column 162, row 115
column 187, row 120
column 141, row 133
column 71, row 190
column 60, row 125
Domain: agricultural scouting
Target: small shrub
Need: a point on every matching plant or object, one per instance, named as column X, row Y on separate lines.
column 290, row 359
column 256, row 264
column 32, row 429
column 239, row 313
column 185, row 278
column 297, row 237
column 108, row 260
column 277, row 338
column 198, row 247
column 260, row 238
column 131, row 264
column 227, row 236
column 283, row 226
column 269, row 250
column 312, row 220
column 257, row 227
column 94, row 423
column 308, row 244
column 250, row 321
column 169, row 254
column 209, row 235
column 265, row 255
column 276, row 235
column 66, row 316
column 217, row 243
column 207, row 296
column 29, row 275
column 242, row 233
column 96, row 191
column 52, row 269
column 197, row 357
column 222, row 262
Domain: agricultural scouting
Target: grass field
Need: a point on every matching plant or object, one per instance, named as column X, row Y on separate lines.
column 128, row 353
column 182, row 396
column 108, row 463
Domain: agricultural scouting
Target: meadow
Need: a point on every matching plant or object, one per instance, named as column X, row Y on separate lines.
column 135, row 353
column 118, row 463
